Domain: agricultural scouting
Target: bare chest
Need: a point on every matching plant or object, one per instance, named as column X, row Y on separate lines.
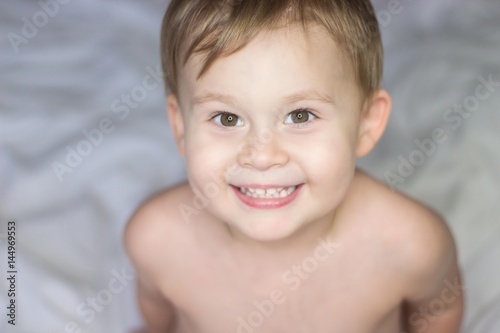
column 312, row 295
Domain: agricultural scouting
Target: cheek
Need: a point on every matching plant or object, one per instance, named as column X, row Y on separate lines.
column 207, row 158
column 330, row 157
column 330, row 173
column 331, row 161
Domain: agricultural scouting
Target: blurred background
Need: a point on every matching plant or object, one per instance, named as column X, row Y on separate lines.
column 84, row 138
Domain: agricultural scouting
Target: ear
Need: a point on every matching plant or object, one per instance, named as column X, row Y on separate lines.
column 373, row 120
column 176, row 121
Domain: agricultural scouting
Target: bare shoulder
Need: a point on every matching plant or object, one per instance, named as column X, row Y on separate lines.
column 420, row 239
column 155, row 225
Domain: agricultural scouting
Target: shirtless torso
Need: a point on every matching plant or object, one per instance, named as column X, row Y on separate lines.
column 355, row 279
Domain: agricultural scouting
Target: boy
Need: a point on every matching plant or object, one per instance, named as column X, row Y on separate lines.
column 271, row 102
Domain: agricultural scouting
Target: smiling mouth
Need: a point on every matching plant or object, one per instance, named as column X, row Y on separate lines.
column 267, row 193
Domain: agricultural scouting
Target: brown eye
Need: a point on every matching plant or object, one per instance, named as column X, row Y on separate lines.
column 298, row 116
column 228, row 119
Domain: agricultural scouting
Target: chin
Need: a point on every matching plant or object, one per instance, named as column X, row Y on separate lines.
column 267, row 231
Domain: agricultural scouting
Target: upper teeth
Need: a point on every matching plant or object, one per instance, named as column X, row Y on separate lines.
column 278, row 192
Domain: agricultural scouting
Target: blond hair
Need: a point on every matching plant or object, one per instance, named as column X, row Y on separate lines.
column 218, row 28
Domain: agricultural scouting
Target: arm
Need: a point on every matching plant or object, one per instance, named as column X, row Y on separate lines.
column 157, row 312
column 141, row 243
column 440, row 312
column 435, row 301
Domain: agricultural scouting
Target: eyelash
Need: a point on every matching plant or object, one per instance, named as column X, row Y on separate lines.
column 220, row 113
column 305, row 110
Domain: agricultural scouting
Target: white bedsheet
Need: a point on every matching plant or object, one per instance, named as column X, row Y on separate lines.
column 76, row 70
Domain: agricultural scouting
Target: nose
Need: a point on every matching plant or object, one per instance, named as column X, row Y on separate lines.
column 263, row 151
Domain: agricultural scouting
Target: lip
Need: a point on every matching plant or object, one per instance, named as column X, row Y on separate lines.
column 266, row 203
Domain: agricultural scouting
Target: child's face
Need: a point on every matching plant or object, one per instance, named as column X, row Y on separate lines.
column 291, row 119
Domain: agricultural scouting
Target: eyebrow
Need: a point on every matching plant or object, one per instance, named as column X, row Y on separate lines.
column 290, row 99
column 310, row 95
column 211, row 96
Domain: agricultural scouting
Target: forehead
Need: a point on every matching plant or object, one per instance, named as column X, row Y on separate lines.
column 277, row 60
